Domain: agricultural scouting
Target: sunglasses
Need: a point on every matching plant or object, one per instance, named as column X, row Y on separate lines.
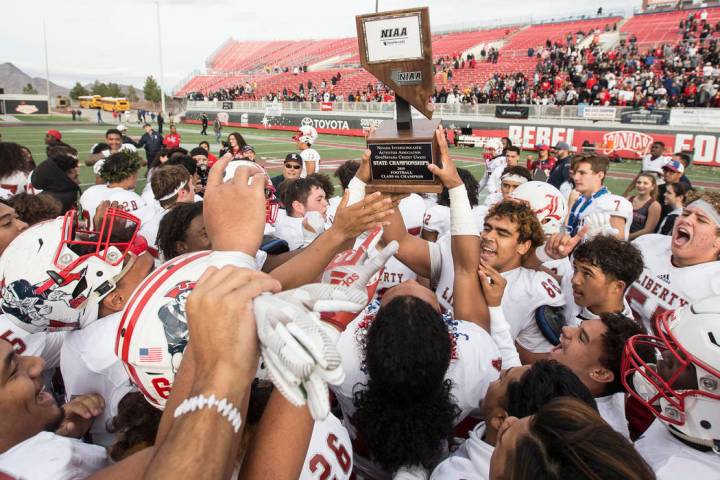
column 294, row 167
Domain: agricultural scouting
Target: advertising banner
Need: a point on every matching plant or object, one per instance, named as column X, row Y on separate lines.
column 640, row 116
column 512, row 111
column 695, row 117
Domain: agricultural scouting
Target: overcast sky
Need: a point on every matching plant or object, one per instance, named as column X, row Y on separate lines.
column 116, row 40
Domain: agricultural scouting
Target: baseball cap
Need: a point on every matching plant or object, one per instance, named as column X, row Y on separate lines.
column 542, row 147
column 248, row 148
column 293, row 157
column 675, row 166
column 198, row 151
column 55, row 133
column 561, row 146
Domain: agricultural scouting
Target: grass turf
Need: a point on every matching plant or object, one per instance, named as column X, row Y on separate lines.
column 271, row 147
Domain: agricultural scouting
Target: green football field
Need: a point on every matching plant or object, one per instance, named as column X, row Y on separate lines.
column 272, row 146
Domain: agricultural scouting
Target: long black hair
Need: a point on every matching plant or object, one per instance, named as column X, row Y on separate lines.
column 406, row 412
column 11, row 159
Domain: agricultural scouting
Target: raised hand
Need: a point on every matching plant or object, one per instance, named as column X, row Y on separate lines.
column 447, row 172
column 560, row 245
column 492, row 284
column 362, row 216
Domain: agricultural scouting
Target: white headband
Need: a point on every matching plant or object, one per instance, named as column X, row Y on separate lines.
column 708, row 209
column 513, row 177
column 174, row 192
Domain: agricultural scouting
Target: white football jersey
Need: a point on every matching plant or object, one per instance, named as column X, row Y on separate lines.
column 127, row 200
column 330, row 452
column 150, row 217
column 671, row 459
column 15, row 183
column 289, row 229
column 475, row 363
column 89, row 365
column 663, row 286
column 654, row 165
column 309, row 155
column 49, row 456
column 41, row 344
column 471, row 460
column 612, row 409
column 333, row 203
column 91, row 198
column 615, row 205
column 526, row 291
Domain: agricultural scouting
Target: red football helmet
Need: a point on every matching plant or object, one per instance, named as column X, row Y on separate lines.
column 272, row 206
column 682, row 386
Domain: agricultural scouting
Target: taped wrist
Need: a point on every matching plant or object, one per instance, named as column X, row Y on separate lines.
column 356, row 189
column 461, row 216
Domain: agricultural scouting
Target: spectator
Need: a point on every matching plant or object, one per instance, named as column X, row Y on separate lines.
column 291, row 170
column 172, row 139
column 58, row 177
column 646, row 208
column 675, row 199
column 151, row 141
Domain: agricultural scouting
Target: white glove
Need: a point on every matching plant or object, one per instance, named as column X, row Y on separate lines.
column 313, row 225
column 298, row 349
column 599, row 223
column 359, row 268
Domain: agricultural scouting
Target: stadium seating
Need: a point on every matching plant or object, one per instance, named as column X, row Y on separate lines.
column 655, row 28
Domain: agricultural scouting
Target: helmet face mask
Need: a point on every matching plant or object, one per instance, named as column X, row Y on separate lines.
column 682, row 386
column 67, row 270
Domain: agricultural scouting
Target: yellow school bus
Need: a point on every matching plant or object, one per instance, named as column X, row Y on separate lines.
column 111, row 104
column 90, row 101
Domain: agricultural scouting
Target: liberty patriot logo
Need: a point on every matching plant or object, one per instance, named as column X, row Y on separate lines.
column 172, row 317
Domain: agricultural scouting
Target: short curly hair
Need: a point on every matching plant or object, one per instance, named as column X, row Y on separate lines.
column 174, row 226
column 529, row 228
column 34, row 209
column 120, row 166
column 619, row 330
column 617, row 259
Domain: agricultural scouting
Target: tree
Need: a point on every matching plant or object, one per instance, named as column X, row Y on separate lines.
column 30, row 90
column 151, row 89
column 78, row 91
column 99, row 88
column 132, row 94
column 114, row 90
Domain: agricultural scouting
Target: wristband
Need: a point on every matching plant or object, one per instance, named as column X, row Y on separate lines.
column 542, row 254
column 356, row 189
column 461, row 217
column 223, row 407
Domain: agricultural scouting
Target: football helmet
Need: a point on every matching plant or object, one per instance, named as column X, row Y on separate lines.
column 546, row 201
column 272, row 205
column 687, row 348
column 306, row 134
column 54, row 275
column 494, row 146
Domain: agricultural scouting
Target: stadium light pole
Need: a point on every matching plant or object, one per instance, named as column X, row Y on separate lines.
column 47, row 68
column 376, row 6
column 162, row 73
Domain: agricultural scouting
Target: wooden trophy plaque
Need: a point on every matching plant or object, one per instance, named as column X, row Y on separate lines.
column 396, row 48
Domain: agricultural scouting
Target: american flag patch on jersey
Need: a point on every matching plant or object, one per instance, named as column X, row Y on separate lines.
column 152, row 354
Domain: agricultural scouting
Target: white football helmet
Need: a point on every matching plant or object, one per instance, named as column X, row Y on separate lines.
column 272, row 206
column 494, row 146
column 54, row 275
column 687, row 350
column 306, row 134
column 546, row 201
column 153, row 331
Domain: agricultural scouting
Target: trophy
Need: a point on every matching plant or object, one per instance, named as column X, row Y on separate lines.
column 395, row 47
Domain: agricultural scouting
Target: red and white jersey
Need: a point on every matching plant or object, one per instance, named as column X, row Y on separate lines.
column 615, row 205
column 437, row 218
column 15, row 183
column 475, row 363
column 41, row 344
column 394, row 273
column 470, row 461
column 91, row 198
column 330, row 452
column 663, row 286
column 671, row 459
column 526, row 291
column 127, row 200
column 655, row 165
column 49, row 456
column 89, row 365
column 412, row 209
column 309, row 155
